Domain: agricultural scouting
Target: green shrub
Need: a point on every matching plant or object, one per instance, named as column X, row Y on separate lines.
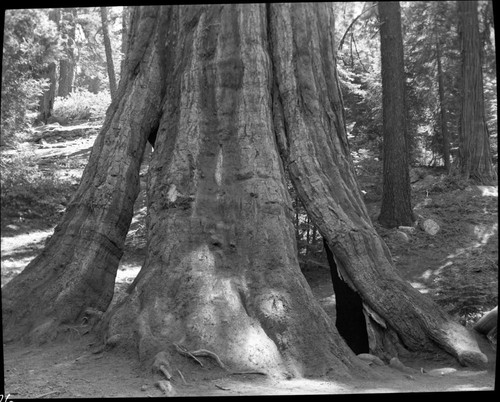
column 81, row 105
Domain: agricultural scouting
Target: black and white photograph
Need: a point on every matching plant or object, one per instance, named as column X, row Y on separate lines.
column 249, row 199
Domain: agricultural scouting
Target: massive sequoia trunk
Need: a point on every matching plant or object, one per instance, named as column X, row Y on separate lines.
column 229, row 93
column 221, row 271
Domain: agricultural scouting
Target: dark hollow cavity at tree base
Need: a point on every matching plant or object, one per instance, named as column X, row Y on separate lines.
column 350, row 319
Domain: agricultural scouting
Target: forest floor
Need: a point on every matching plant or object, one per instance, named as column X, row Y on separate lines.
column 458, row 266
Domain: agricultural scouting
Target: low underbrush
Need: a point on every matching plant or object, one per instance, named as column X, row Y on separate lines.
column 26, row 190
column 81, row 105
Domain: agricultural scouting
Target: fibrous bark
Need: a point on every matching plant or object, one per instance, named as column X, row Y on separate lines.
column 67, row 63
column 66, row 74
column 226, row 92
column 47, row 99
column 313, row 143
column 77, row 268
column 221, row 272
column 442, row 109
column 474, row 142
column 396, row 207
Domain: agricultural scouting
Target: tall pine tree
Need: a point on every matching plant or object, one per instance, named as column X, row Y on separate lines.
column 475, row 154
column 396, row 207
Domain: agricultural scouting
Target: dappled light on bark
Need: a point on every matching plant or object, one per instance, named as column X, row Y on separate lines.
column 474, row 151
column 332, row 199
column 221, row 272
column 396, row 207
column 77, row 268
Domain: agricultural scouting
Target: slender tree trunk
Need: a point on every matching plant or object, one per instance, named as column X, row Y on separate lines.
column 313, row 236
column 308, row 237
column 396, row 207
column 474, row 147
column 46, row 102
column 47, row 99
column 442, row 107
column 126, row 13
column 94, row 84
column 312, row 138
column 297, row 221
column 77, row 268
column 109, row 52
column 67, row 64
column 66, row 75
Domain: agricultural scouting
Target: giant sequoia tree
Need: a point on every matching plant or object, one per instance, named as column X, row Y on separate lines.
column 230, row 95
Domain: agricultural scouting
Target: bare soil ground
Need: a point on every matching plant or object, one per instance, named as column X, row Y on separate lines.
column 466, row 247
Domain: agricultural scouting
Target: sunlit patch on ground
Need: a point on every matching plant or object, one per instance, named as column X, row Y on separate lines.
column 127, row 272
column 422, row 288
column 17, row 251
column 484, row 233
column 490, row 191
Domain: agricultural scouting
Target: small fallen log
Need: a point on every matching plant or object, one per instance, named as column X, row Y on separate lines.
column 487, row 322
column 487, row 325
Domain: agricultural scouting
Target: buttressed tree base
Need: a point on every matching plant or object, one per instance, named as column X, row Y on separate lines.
column 232, row 94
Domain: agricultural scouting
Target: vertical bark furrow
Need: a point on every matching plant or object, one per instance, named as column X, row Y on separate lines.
column 221, row 269
column 475, row 153
column 77, row 268
column 221, row 250
column 396, row 207
column 324, row 178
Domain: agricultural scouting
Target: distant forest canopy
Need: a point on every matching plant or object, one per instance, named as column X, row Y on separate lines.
column 429, row 31
column 59, row 52
column 60, row 55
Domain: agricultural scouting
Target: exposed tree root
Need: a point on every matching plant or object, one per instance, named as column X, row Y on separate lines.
column 207, row 353
column 183, row 351
column 182, row 377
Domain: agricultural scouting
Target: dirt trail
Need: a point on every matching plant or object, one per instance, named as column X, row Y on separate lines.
column 70, row 369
